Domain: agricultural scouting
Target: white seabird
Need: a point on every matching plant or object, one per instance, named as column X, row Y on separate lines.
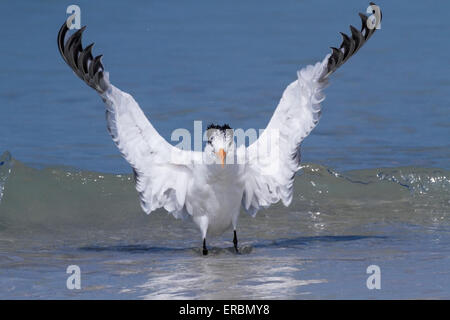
column 204, row 185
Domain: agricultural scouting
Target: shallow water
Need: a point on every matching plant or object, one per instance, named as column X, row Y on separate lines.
column 374, row 189
column 319, row 247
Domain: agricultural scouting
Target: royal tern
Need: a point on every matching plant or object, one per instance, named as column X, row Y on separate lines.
column 211, row 186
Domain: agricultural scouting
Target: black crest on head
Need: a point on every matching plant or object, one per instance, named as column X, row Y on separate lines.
column 216, row 126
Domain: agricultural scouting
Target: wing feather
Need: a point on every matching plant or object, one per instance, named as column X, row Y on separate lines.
column 274, row 158
column 161, row 171
column 160, row 182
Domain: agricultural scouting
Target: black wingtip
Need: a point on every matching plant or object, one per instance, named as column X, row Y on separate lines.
column 80, row 60
column 350, row 44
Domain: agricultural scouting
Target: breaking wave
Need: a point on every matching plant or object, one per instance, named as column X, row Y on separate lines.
column 57, row 196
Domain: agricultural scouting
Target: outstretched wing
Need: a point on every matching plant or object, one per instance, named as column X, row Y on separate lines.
column 274, row 158
column 162, row 171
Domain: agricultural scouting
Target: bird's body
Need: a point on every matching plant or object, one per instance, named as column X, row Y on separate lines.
column 215, row 197
column 212, row 186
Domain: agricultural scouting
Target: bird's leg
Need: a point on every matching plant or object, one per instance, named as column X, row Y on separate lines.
column 205, row 250
column 235, row 241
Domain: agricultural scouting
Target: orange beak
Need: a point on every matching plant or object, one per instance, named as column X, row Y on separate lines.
column 222, row 155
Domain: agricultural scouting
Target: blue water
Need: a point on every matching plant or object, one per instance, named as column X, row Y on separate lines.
column 227, row 62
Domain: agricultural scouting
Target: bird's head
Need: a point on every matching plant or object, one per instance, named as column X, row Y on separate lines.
column 220, row 142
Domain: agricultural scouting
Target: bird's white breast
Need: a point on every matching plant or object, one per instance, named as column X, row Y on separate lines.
column 216, row 193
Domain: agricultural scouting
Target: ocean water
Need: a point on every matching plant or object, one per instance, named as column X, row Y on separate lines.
column 375, row 183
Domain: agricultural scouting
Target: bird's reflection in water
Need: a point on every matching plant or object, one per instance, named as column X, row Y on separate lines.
column 222, row 277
